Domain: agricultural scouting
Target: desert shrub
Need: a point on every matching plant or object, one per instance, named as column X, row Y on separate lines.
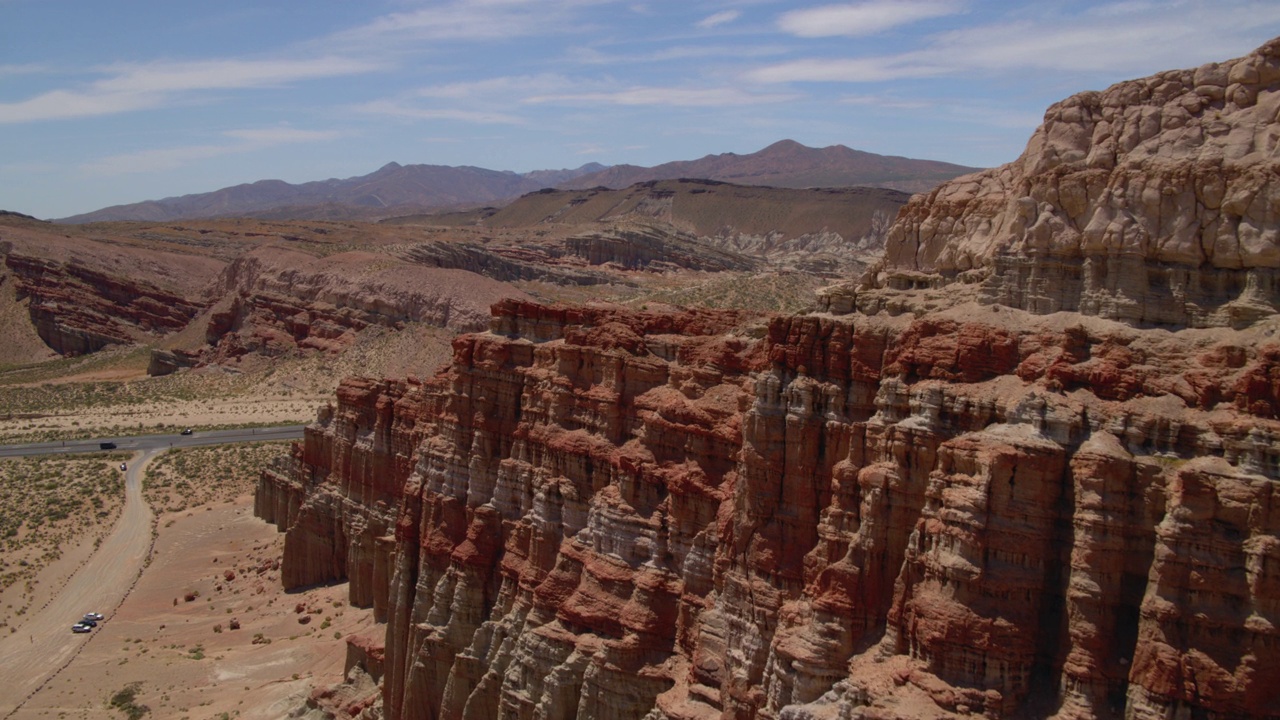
column 126, row 701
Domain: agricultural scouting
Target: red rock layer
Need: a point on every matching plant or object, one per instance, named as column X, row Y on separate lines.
column 598, row 513
column 277, row 301
column 1154, row 201
column 78, row 310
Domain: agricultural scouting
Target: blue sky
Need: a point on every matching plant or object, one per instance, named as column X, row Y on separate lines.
column 103, row 103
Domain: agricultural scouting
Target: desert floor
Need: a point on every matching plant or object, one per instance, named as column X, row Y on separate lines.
column 170, row 641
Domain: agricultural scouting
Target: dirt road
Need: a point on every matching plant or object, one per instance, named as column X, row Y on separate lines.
column 45, row 644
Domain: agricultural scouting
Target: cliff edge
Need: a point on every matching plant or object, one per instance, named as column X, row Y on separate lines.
column 600, row 513
column 1155, row 201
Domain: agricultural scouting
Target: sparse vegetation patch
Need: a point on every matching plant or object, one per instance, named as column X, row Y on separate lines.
column 126, row 701
column 49, row 504
column 186, row 478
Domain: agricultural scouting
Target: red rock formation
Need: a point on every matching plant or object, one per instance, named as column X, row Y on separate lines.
column 1153, row 201
column 78, row 309
column 604, row 513
column 276, row 302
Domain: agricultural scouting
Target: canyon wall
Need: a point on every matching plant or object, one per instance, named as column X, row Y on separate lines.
column 77, row 307
column 601, row 513
column 276, row 301
column 1156, row 201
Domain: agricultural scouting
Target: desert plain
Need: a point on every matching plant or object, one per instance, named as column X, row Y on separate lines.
column 203, row 630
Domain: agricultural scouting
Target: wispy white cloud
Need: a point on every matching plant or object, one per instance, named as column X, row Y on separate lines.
column 857, row 70
column 26, row 69
column 131, row 88
column 172, row 158
column 1138, row 38
column 62, row 104
column 154, row 160
column 981, row 113
column 865, row 18
column 487, row 101
column 720, row 18
column 263, row 137
column 887, row 102
column 399, row 109
column 677, row 97
column 497, row 89
column 591, row 149
column 464, row 20
column 29, row 168
column 227, row 74
column 593, row 56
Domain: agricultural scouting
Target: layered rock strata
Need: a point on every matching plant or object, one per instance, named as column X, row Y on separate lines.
column 599, row 513
column 648, row 247
column 275, row 302
column 506, row 264
column 1156, row 201
column 78, row 308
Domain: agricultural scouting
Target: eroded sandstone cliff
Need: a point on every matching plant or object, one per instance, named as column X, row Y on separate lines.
column 276, row 301
column 601, row 513
column 1154, row 201
column 79, row 305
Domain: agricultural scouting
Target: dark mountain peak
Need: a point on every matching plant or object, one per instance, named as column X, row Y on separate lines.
column 271, row 183
column 785, row 147
column 788, row 163
column 9, row 214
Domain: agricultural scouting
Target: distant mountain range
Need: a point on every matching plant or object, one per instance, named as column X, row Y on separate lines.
column 392, row 189
column 787, row 164
column 396, row 189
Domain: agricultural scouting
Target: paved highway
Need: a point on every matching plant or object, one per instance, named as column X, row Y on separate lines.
column 157, row 442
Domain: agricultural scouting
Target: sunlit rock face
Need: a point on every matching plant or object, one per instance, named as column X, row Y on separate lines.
column 603, row 513
column 1155, row 201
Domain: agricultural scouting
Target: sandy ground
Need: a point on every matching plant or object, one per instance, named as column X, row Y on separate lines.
column 103, row 581
column 183, row 655
column 147, row 417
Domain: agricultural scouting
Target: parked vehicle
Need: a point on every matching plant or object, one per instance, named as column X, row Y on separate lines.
column 93, row 616
column 123, row 466
column 81, row 628
column 186, row 431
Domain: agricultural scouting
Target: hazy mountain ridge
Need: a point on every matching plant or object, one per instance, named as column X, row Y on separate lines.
column 403, row 187
column 395, row 189
column 789, row 164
